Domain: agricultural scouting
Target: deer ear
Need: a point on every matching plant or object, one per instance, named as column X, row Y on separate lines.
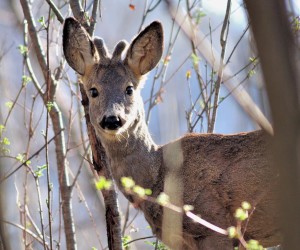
column 145, row 50
column 78, row 47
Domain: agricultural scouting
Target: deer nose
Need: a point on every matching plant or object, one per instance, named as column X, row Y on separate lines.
column 111, row 122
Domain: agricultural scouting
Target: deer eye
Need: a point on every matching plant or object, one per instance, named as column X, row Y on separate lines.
column 129, row 90
column 94, row 92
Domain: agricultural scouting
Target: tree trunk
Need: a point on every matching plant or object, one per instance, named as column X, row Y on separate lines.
column 280, row 63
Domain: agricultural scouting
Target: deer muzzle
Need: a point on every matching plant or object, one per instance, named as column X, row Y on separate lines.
column 111, row 122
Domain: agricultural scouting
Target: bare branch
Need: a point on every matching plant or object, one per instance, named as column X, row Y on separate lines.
column 113, row 222
column 26, row 230
column 56, row 11
column 78, row 13
column 209, row 53
column 34, row 37
column 93, row 19
column 77, row 9
column 223, row 42
column 31, row 157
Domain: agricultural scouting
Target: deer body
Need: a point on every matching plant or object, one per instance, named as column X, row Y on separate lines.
column 215, row 173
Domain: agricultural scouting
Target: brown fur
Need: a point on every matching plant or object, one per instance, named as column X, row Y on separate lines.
column 214, row 173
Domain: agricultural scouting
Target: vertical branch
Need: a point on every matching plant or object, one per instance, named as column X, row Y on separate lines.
column 279, row 58
column 46, row 137
column 194, row 51
column 65, row 191
column 223, row 42
column 93, row 20
column 34, row 37
column 58, row 126
column 4, row 245
column 113, row 222
column 37, row 184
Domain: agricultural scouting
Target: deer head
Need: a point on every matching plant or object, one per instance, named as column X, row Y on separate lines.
column 113, row 84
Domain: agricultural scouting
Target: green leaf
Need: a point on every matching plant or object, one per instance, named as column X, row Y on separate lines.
column 253, row 60
column 28, row 225
column 5, row 151
column 296, row 24
column 43, row 167
column 2, row 128
column 5, row 141
column 139, row 191
column 103, row 183
column 241, row 214
column 195, row 60
column 187, row 208
column 251, row 73
column 163, row 199
column 159, row 246
column 49, row 105
column 246, row 205
column 188, row 74
column 232, row 232
column 39, row 171
column 23, row 49
column 127, row 182
column 20, row 158
column 221, row 99
column 26, row 79
column 125, row 241
column 254, row 245
column 9, row 104
column 198, row 15
column 148, row 191
column 87, row 18
column 41, row 20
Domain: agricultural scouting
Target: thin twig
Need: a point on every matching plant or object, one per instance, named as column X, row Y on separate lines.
column 82, row 198
column 194, row 51
column 126, row 219
column 26, row 230
column 93, row 19
column 56, row 11
column 49, row 188
column 32, row 222
column 35, row 154
column 236, row 45
column 209, row 53
column 34, row 37
column 142, row 238
column 37, row 183
column 223, row 41
column 206, row 223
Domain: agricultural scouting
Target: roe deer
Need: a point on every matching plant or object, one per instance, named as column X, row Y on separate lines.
column 214, row 173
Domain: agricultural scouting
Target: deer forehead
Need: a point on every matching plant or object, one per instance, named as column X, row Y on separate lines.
column 108, row 76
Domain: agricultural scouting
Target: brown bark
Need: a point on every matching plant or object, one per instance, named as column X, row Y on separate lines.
column 112, row 216
column 58, row 126
column 3, row 233
column 113, row 222
column 279, row 59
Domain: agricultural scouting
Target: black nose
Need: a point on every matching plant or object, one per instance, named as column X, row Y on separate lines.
column 111, row 122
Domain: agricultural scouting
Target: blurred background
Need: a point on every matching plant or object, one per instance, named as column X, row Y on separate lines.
column 179, row 97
